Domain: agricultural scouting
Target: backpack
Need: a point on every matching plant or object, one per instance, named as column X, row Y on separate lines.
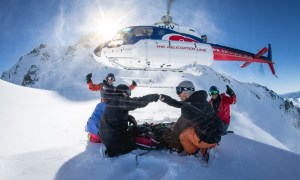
column 152, row 136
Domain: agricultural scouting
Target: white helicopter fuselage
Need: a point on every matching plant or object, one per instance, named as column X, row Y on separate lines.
column 169, row 51
column 150, row 54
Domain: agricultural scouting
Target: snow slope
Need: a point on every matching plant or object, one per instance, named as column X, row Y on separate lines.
column 42, row 137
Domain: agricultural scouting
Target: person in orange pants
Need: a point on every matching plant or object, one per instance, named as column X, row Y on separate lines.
column 191, row 142
column 199, row 126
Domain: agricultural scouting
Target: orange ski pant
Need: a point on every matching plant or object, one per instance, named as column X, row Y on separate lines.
column 191, row 143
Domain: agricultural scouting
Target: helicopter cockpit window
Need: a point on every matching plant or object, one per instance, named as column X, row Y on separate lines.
column 143, row 31
column 116, row 41
column 126, row 32
column 121, row 37
column 148, row 31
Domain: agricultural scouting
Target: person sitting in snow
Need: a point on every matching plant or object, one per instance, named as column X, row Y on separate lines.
column 221, row 104
column 198, row 127
column 106, row 89
column 113, row 129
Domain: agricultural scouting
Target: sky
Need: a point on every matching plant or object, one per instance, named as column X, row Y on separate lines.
column 247, row 25
column 43, row 138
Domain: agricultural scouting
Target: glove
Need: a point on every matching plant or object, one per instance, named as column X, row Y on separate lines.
column 164, row 98
column 89, row 78
column 133, row 83
column 229, row 91
column 155, row 97
column 132, row 120
column 161, row 97
column 152, row 97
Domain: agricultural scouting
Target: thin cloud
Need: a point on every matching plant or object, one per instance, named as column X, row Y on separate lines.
column 84, row 18
column 59, row 28
column 205, row 24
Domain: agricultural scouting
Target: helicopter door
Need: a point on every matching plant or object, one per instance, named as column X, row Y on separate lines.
column 157, row 54
column 204, row 54
column 182, row 53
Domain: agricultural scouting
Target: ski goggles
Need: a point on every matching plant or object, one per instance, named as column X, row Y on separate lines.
column 128, row 92
column 110, row 79
column 213, row 93
column 180, row 89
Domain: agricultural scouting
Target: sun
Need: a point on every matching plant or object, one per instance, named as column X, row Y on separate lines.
column 106, row 23
column 108, row 28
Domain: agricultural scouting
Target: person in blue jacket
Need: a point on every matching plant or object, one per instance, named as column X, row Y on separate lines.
column 107, row 90
column 94, row 121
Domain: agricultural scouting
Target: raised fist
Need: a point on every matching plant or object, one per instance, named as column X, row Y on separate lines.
column 229, row 91
column 133, row 83
column 89, row 78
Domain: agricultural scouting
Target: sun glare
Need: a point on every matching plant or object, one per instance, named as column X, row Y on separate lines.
column 108, row 29
column 107, row 23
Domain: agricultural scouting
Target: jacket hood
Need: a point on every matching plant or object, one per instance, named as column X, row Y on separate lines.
column 198, row 96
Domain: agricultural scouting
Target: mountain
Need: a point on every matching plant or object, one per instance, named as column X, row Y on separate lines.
column 294, row 97
column 63, row 70
column 42, row 137
column 52, row 67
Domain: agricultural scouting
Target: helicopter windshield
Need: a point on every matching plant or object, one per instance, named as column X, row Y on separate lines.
column 131, row 35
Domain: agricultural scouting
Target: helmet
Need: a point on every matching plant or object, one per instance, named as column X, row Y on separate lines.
column 185, row 86
column 122, row 88
column 110, row 76
column 213, row 90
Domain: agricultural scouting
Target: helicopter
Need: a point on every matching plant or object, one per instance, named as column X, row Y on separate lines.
column 167, row 46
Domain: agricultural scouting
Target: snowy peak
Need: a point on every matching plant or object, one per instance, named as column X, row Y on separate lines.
column 36, row 51
column 89, row 41
column 48, row 67
column 293, row 97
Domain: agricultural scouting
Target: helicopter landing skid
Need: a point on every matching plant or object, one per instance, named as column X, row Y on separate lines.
column 144, row 82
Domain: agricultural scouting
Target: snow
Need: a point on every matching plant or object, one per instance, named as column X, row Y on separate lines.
column 42, row 137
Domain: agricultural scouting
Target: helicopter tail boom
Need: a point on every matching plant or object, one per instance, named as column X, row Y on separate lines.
column 223, row 53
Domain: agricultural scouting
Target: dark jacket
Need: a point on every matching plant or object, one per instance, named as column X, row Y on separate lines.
column 114, row 124
column 196, row 112
column 106, row 90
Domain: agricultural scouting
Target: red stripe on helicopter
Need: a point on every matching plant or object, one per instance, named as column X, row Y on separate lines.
column 181, row 38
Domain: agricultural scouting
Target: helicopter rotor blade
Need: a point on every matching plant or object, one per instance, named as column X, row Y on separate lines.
column 169, row 6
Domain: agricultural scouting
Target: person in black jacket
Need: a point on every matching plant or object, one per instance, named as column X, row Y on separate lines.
column 114, row 124
column 107, row 90
column 198, row 127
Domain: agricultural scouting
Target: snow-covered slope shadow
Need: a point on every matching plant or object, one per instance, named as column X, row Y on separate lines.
column 238, row 158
